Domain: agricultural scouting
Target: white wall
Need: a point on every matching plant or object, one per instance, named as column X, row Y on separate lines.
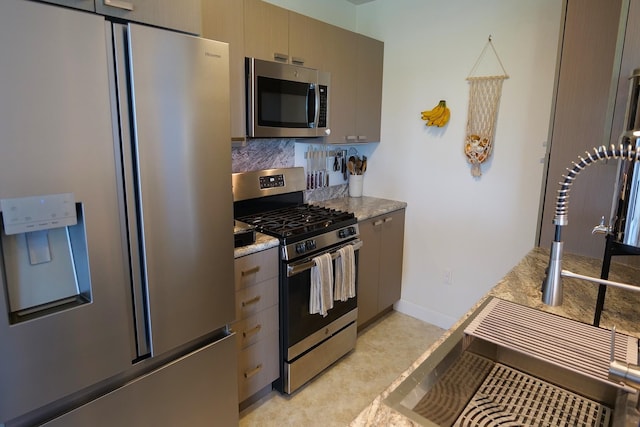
column 478, row 228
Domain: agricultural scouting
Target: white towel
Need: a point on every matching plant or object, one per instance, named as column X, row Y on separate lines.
column 321, row 297
column 345, row 282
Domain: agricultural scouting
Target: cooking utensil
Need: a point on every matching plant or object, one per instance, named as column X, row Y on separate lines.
column 345, row 172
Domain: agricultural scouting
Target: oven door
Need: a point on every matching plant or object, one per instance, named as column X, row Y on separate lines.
column 301, row 330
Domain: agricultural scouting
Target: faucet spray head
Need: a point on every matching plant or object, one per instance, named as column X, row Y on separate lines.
column 552, row 284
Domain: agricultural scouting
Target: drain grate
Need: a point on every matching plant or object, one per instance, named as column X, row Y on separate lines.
column 511, row 398
column 444, row 402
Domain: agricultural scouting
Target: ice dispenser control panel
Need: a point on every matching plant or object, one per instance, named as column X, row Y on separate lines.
column 26, row 214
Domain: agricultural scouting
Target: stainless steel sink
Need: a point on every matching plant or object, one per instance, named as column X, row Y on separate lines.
column 532, row 369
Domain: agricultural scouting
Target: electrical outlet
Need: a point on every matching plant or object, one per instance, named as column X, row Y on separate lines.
column 448, row 277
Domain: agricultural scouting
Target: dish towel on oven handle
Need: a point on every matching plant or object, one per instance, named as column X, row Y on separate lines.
column 321, row 296
column 345, row 281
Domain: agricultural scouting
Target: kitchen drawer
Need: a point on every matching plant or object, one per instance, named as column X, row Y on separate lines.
column 251, row 300
column 255, row 268
column 258, row 366
column 256, row 327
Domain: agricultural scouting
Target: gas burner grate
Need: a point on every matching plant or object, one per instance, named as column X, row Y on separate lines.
column 296, row 220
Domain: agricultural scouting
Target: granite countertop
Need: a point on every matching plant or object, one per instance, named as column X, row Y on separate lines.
column 263, row 242
column 363, row 207
column 522, row 285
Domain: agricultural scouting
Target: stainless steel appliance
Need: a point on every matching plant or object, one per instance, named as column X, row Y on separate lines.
column 116, row 257
column 273, row 202
column 286, row 101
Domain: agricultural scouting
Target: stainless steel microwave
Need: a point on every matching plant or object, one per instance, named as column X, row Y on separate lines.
column 286, row 101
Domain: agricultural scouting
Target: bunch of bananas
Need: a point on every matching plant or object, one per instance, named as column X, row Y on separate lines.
column 438, row 116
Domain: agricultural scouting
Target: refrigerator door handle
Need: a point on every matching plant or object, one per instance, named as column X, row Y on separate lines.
column 128, row 147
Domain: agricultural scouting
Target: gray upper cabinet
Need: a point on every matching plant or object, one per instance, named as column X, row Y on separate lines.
column 355, row 62
column 223, row 20
column 369, row 89
column 183, row 15
column 307, row 41
column 76, row 4
column 266, row 31
column 340, row 61
column 254, row 28
column 276, row 34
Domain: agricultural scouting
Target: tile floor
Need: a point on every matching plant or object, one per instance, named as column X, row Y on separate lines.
column 383, row 351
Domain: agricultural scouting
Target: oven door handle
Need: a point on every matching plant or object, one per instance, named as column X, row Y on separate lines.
column 299, row 267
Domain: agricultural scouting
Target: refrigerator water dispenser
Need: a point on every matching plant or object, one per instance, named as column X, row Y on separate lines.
column 44, row 255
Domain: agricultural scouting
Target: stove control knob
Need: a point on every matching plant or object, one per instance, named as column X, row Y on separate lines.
column 310, row 244
column 300, row 248
column 352, row 231
column 342, row 233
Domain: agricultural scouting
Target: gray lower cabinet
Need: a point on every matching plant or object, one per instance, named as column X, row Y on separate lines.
column 256, row 325
column 380, row 264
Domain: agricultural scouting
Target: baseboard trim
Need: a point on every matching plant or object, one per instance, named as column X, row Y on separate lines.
column 426, row 315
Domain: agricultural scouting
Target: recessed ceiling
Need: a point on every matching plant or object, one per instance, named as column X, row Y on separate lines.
column 357, row 2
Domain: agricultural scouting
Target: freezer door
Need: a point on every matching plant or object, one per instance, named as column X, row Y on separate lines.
column 196, row 390
column 56, row 138
column 180, row 145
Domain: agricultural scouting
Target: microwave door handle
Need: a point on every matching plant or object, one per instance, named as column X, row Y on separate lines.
column 313, row 116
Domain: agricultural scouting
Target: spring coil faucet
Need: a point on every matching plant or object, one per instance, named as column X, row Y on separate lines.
column 552, row 290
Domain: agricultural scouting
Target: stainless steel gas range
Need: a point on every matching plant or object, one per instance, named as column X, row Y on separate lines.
column 272, row 201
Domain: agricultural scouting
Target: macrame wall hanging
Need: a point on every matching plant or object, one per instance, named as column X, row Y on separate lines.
column 484, row 99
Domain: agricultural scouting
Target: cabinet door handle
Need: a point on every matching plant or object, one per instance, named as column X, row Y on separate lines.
column 119, row 4
column 252, row 270
column 388, row 219
column 378, row 222
column 252, row 372
column 252, row 331
column 297, row 61
column 253, row 300
column 281, row 57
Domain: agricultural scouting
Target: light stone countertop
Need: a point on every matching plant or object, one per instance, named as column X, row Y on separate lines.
column 263, row 242
column 363, row 207
column 522, row 285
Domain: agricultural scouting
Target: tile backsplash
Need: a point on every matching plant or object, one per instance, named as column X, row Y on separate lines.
column 258, row 154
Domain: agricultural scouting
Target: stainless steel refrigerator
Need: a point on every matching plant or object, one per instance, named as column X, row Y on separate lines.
column 116, row 246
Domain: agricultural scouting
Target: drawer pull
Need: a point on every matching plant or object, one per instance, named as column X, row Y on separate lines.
column 249, row 374
column 253, row 300
column 252, row 270
column 252, row 331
